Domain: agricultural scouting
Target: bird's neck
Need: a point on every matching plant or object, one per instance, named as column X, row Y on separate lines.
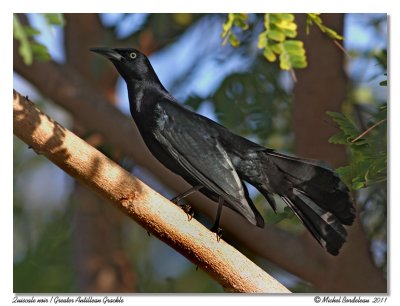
column 144, row 95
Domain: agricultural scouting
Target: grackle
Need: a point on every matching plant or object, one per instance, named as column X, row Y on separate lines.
column 216, row 161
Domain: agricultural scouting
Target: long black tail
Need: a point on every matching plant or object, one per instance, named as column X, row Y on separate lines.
column 315, row 193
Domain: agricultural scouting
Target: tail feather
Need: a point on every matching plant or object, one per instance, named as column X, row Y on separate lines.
column 314, row 192
column 324, row 198
column 319, row 183
column 323, row 225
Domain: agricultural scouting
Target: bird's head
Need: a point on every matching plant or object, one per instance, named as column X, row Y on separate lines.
column 130, row 63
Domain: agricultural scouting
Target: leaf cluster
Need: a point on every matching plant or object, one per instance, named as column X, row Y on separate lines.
column 29, row 49
column 368, row 149
column 315, row 18
column 233, row 19
column 277, row 40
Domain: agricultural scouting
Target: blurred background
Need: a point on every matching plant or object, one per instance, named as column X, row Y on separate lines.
column 66, row 239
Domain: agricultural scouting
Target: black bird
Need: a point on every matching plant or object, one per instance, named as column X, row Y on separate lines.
column 216, row 161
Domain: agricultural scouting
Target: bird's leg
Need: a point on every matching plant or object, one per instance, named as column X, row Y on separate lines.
column 215, row 228
column 186, row 207
column 188, row 192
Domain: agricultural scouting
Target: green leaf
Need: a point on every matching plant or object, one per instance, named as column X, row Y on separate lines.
column 381, row 57
column 276, row 48
column 24, row 45
column 40, row 52
column 293, row 55
column 28, row 48
column 274, row 18
column 240, row 21
column 227, row 26
column 55, row 19
column 29, row 31
column 233, row 40
column 276, row 35
column 233, row 19
column 294, row 46
column 284, row 25
column 316, row 19
column 299, row 64
column 332, row 34
column 339, row 138
column 382, row 114
column 276, row 40
column 358, row 185
column 290, row 33
column 287, row 17
column 345, row 124
column 284, row 62
column 368, row 154
column 262, row 40
column 267, row 22
column 26, row 54
column 269, row 55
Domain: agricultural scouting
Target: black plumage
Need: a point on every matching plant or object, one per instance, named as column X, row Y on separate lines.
column 217, row 162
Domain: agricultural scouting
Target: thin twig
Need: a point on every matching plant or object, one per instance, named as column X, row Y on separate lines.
column 342, row 48
column 293, row 74
column 368, row 130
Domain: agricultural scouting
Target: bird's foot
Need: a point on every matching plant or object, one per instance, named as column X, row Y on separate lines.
column 185, row 207
column 218, row 232
column 188, row 210
column 175, row 200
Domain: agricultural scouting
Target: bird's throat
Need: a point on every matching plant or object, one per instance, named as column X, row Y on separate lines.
column 136, row 96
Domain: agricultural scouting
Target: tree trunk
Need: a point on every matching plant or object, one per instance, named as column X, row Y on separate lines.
column 321, row 87
column 100, row 262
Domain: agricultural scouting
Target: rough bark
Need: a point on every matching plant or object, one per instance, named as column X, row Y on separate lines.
column 156, row 214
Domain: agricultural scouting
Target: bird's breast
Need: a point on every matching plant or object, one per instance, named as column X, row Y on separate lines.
column 161, row 118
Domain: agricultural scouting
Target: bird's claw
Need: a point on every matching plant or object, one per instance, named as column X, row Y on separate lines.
column 188, row 210
column 185, row 207
column 218, row 232
column 175, row 200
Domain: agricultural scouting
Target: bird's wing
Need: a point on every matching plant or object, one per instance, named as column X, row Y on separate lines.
column 193, row 144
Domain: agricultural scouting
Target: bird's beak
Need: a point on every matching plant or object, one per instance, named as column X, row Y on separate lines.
column 111, row 54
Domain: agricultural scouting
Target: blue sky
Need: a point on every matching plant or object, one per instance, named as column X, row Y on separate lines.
column 178, row 56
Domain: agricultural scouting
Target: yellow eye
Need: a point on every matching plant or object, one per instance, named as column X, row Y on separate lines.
column 133, row 55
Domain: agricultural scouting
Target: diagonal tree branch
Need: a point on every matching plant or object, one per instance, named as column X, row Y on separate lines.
column 165, row 220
